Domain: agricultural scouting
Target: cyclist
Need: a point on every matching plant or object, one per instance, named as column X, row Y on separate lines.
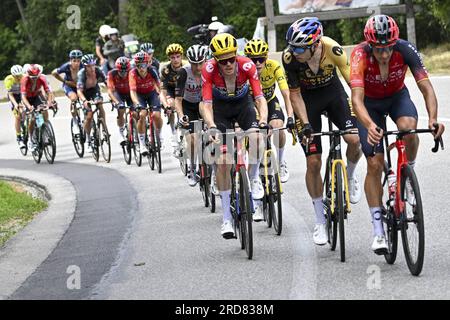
column 31, row 87
column 148, row 47
column 378, row 68
column 169, row 73
column 88, row 90
column 70, row 70
column 270, row 73
column 144, row 91
column 188, row 95
column 310, row 61
column 12, row 85
column 119, row 92
column 226, row 99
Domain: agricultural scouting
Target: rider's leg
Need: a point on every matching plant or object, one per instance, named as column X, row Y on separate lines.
column 17, row 117
column 141, row 126
column 73, row 100
column 87, row 124
column 223, row 179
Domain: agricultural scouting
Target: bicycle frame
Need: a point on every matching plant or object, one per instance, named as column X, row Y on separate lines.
column 402, row 161
column 267, row 156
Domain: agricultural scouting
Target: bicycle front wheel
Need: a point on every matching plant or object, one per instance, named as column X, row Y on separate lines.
column 275, row 207
column 24, row 135
column 412, row 225
column 95, row 141
column 37, row 153
column 77, row 137
column 135, row 145
column 105, row 142
column 48, row 142
column 389, row 221
column 339, row 209
column 331, row 218
column 126, row 145
column 245, row 212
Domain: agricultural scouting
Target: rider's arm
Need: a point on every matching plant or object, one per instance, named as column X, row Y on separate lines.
column 112, row 88
column 133, row 87
column 13, row 100
column 179, row 92
column 298, row 104
column 207, row 95
column 261, row 106
column 340, row 60
column 56, row 74
column 431, row 103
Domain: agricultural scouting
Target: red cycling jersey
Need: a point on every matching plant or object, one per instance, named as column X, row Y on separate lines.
column 365, row 71
column 144, row 85
column 32, row 88
column 117, row 83
column 214, row 85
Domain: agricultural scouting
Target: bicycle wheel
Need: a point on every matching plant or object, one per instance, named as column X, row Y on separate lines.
column 95, row 141
column 275, row 207
column 157, row 150
column 37, row 153
column 332, row 221
column 24, row 135
column 412, row 225
column 136, row 146
column 104, row 140
column 340, row 209
column 77, row 140
column 126, row 145
column 245, row 212
column 389, row 223
column 204, row 185
column 48, row 142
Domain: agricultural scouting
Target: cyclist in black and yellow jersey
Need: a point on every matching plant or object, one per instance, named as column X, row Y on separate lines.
column 12, row 85
column 310, row 61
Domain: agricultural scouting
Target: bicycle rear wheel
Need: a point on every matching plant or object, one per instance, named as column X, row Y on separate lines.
column 245, row 212
column 204, row 185
column 412, row 225
column 77, row 138
column 48, row 142
column 275, row 207
column 105, row 142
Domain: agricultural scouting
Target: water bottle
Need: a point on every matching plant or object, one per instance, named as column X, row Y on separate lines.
column 392, row 185
column 39, row 120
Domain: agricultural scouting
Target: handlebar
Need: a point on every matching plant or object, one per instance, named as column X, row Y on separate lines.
column 44, row 107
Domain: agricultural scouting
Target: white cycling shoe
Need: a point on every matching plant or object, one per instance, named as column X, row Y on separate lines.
column 258, row 215
column 320, row 235
column 284, row 172
column 143, row 150
column 379, row 245
column 192, row 179
column 257, row 189
column 227, row 230
column 354, row 190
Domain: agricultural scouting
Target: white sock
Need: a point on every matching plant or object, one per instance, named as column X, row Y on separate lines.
column 351, row 169
column 318, row 208
column 377, row 223
column 281, row 155
column 142, row 139
column 225, row 195
column 412, row 163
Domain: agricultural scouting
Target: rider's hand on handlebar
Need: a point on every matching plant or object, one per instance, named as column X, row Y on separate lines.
column 374, row 134
column 86, row 104
column 290, row 125
column 214, row 134
column 438, row 128
column 183, row 121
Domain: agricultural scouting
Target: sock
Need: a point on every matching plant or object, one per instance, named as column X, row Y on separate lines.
column 318, row 208
column 225, row 195
column 377, row 223
column 142, row 139
column 281, row 155
column 412, row 163
column 254, row 171
column 350, row 169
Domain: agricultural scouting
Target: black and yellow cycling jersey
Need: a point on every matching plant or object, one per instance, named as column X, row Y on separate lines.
column 301, row 76
column 271, row 74
column 169, row 77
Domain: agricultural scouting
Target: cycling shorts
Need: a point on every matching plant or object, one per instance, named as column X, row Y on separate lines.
column 274, row 110
column 150, row 100
column 193, row 112
column 123, row 99
column 68, row 90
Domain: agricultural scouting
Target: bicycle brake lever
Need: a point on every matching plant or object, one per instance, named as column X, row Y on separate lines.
column 437, row 141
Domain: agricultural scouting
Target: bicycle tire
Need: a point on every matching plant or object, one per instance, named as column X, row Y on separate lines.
column 48, row 142
column 127, row 144
column 330, row 217
column 245, row 212
column 135, row 144
column 275, row 204
column 340, row 209
column 265, row 203
column 416, row 219
column 157, row 149
column 105, row 141
column 37, row 154
column 95, row 141
column 77, row 139
column 390, row 223
column 24, row 135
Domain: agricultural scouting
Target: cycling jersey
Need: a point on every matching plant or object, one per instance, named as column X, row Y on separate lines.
column 301, row 76
column 12, row 85
column 83, row 83
column 188, row 86
column 65, row 68
column 365, row 71
column 144, row 85
column 31, row 88
column 214, row 84
column 271, row 74
column 169, row 78
column 118, row 83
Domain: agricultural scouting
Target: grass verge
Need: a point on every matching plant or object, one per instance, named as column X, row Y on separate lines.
column 437, row 59
column 17, row 208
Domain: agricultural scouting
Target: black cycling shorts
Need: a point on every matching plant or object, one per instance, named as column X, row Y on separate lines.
column 274, row 110
column 333, row 100
column 193, row 112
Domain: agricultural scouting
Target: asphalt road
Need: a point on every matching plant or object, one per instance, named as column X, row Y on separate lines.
column 140, row 235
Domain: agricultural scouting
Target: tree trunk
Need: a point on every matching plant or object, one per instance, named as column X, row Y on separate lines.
column 123, row 19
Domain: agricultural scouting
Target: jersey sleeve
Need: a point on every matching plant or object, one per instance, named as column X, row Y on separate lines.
column 45, row 83
column 181, row 83
column 413, row 60
column 132, row 80
column 110, row 81
column 357, row 68
column 207, row 84
column 292, row 76
column 62, row 69
column 81, row 79
column 340, row 59
column 164, row 78
column 280, row 76
column 154, row 74
column 9, row 82
column 253, row 79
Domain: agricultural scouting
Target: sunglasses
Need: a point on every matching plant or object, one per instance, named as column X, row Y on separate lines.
column 299, row 50
column 142, row 65
column 224, row 62
column 75, row 60
column 261, row 60
column 383, row 49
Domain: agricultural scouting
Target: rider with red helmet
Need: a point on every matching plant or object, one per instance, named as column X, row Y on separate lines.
column 378, row 68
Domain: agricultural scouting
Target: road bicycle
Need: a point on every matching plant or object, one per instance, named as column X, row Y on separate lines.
column 152, row 140
column 24, row 122
column 404, row 211
column 131, row 144
column 100, row 140
column 77, row 129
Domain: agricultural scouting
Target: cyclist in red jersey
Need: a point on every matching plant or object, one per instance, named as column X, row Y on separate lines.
column 378, row 68
column 145, row 90
column 32, row 86
column 226, row 100
column 119, row 91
